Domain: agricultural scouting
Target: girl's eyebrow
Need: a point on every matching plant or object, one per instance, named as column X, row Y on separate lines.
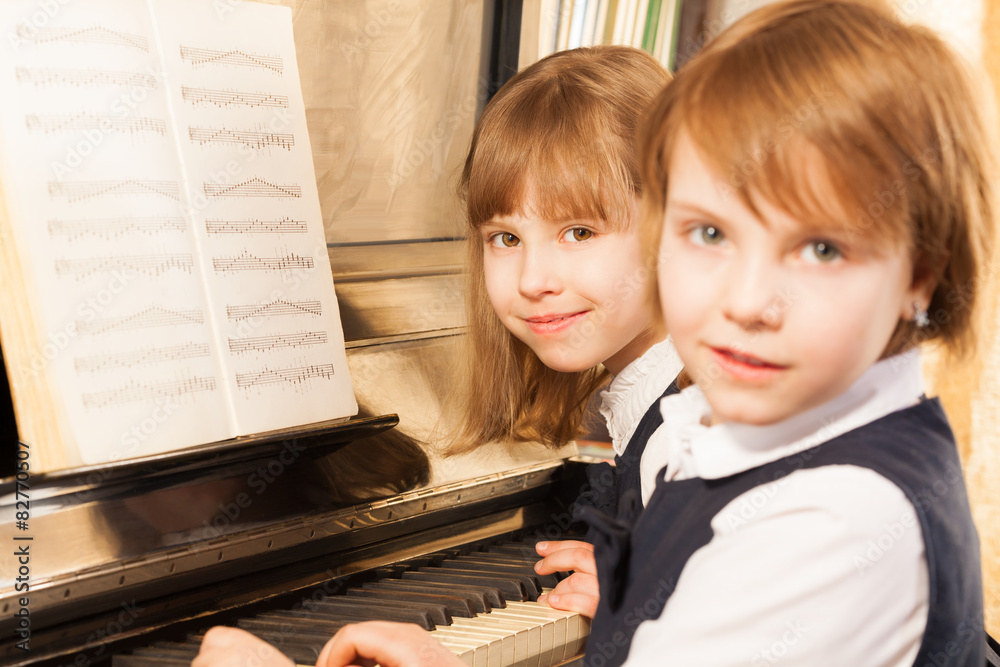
column 691, row 207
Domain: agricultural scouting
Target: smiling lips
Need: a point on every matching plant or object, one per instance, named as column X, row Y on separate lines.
column 745, row 367
column 550, row 324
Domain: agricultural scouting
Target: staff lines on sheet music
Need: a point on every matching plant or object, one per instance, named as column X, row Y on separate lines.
column 277, row 308
column 52, row 76
column 80, row 190
column 256, row 226
column 254, row 187
column 55, row 123
column 111, row 228
column 152, row 317
column 277, row 341
column 150, row 265
column 289, row 375
column 228, row 98
column 246, row 261
column 140, row 357
column 258, row 138
column 233, row 57
column 133, row 391
column 88, row 35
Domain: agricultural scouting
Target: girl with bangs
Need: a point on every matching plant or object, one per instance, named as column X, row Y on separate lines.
column 559, row 287
column 827, row 173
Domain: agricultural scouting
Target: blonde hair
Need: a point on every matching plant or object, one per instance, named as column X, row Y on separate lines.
column 889, row 113
column 563, row 128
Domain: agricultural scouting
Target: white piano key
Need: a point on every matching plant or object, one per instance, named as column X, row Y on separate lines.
column 572, row 631
column 487, row 649
column 499, row 642
column 514, row 646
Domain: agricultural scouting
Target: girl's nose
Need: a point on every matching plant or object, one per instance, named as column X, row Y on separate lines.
column 754, row 298
column 540, row 274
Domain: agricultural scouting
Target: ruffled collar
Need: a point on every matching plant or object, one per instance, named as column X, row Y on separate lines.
column 637, row 387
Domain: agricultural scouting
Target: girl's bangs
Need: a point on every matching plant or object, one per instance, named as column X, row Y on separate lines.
column 770, row 149
column 570, row 168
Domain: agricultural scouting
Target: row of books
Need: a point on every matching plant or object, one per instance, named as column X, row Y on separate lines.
column 650, row 25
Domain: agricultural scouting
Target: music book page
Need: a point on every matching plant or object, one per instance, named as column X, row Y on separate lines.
column 165, row 273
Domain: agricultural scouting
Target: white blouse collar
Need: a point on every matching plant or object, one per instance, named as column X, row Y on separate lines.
column 695, row 450
column 637, row 387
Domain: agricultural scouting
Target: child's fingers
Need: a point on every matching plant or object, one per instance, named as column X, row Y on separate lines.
column 578, row 592
column 232, row 647
column 387, row 644
column 576, row 558
column 546, row 548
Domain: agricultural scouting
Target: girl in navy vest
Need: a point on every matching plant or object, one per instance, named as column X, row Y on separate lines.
column 820, row 189
column 558, row 293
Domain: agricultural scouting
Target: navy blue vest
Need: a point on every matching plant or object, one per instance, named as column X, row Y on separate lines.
column 913, row 448
column 609, row 483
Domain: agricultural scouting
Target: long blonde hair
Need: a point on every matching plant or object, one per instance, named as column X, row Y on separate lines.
column 885, row 109
column 565, row 128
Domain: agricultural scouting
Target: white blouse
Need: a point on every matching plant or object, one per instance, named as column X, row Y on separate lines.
column 835, row 554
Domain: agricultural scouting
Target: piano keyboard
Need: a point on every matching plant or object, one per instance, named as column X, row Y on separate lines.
column 481, row 605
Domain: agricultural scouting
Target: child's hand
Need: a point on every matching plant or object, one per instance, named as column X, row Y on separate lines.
column 578, row 592
column 388, row 644
column 232, row 647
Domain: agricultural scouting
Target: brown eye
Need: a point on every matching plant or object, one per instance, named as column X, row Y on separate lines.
column 579, row 234
column 504, row 240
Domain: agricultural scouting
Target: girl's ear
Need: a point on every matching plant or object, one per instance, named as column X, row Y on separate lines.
column 919, row 293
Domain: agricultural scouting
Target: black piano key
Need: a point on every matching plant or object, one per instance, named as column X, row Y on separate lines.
column 514, row 565
column 511, row 589
column 530, row 580
column 306, row 621
column 148, row 661
column 475, row 596
column 298, row 645
column 524, row 551
column 178, row 651
column 442, row 608
column 529, row 583
column 369, row 610
column 493, row 594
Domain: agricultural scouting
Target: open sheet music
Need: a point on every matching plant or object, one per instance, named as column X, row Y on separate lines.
column 165, row 272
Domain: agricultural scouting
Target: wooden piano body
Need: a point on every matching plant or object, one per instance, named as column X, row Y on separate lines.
column 122, row 556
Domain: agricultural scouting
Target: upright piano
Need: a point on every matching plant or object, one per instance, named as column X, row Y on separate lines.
column 130, row 562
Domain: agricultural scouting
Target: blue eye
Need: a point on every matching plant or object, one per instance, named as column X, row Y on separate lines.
column 821, row 252
column 503, row 240
column 706, row 235
column 578, row 234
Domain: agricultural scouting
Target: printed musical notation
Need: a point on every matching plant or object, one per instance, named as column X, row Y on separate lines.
column 143, row 357
column 289, row 375
column 150, row 265
column 152, row 317
column 47, row 76
column 88, row 35
column 250, row 138
column 256, row 226
column 133, row 391
column 112, row 228
column 276, row 308
column 55, row 124
column 79, row 190
column 247, row 262
column 231, row 98
column 267, row 343
column 234, row 58
column 255, row 187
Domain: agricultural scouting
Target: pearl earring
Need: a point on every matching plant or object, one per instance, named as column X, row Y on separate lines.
column 920, row 316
